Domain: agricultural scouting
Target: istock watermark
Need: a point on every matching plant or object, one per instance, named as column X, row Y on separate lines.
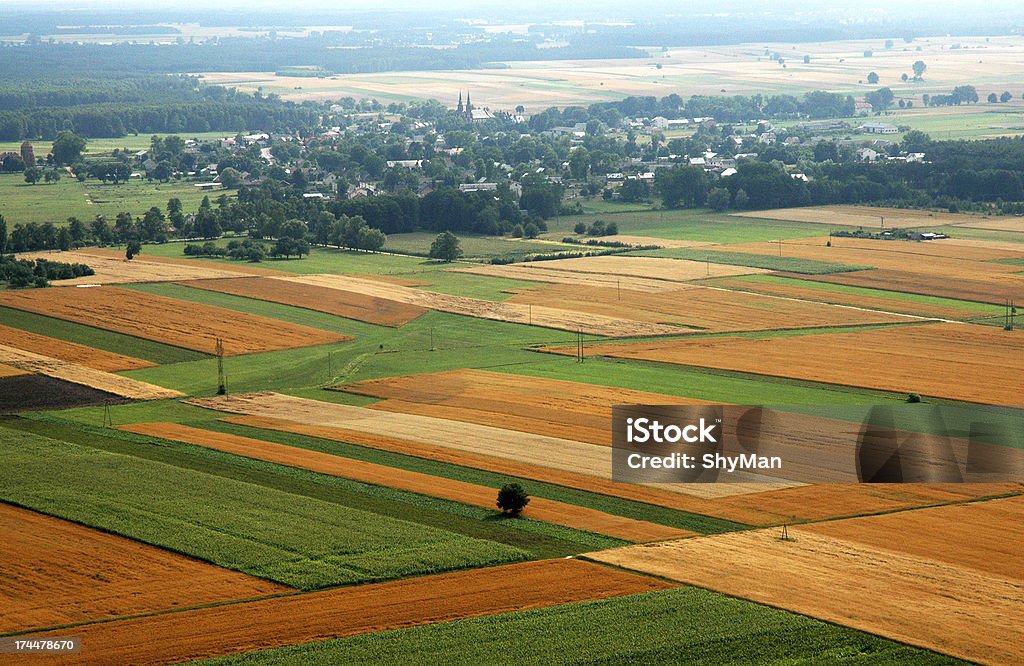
column 910, row 443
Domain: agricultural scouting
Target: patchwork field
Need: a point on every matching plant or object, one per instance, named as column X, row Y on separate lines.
column 425, row 484
column 57, row 572
column 547, row 317
column 884, row 301
column 868, row 217
column 551, row 407
column 234, row 628
column 856, row 573
column 97, row 359
column 112, row 268
column 347, row 304
column 170, row 321
column 112, row 384
column 705, row 309
column 957, row 361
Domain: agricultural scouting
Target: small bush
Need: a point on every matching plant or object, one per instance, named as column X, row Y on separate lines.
column 914, row 398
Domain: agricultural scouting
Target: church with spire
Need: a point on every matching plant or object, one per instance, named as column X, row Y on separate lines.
column 465, row 110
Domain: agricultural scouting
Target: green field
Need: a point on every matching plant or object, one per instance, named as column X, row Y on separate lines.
column 475, row 247
column 103, row 147
column 21, row 203
column 696, row 225
column 770, row 262
column 237, row 524
column 678, row 626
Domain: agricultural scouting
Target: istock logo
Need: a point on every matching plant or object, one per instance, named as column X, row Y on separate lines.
column 644, row 430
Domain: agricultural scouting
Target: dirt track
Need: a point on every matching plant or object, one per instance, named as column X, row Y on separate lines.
column 908, row 584
column 57, row 572
column 176, row 637
column 332, row 301
column 90, row 357
column 547, row 317
column 168, row 320
column 539, row 508
column 957, row 361
column 79, row 374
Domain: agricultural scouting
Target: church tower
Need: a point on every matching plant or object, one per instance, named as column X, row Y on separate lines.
column 459, row 109
column 28, row 155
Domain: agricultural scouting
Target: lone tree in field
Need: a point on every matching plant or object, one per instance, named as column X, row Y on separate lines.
column 446, row 247
column 919, row 67
column 134, row 248
column 512, row 499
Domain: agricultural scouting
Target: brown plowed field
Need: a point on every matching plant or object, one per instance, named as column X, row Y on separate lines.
column 863, row 216
column 112, row 268
column 57, row 572
column 97, row 359
column 800, row 289
column 234, row 628
column 125, row 387
column 552, row 407
column 763, row 506
column 957, row 361
column 548, row 317
column 929, row 583
column 994, row 289
column 168, row 320
column 322, row 299
column 704, row 309
column 577, row 517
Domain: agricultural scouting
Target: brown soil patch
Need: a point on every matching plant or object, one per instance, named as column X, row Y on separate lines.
column 112, row 268
column 168, row 320
column 994, row 289
column 547, row 317
column 79, row 374
column 571, row 410
column 57, row 572
column 257, row 625
column 468, row 493
column 957, row 361
column 868, row 582
column 705, row 309
column 798, row 289
column 97, row 359
column 322, row 299
column 863, row 216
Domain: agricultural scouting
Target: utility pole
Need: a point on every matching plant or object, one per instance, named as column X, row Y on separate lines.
column 222, row 388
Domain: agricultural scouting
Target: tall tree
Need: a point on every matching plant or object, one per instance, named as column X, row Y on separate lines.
column 67, row 148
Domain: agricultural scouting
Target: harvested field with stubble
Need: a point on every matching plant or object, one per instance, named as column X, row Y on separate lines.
column 113, row 268
column 97, row 359
column 544, row 316
column 705, row 309
column 425, row 484
column 57, row 572
column 350, row 305
column 234, row 628
column 551, row 407
column 800, row 289
column 995, row 289
column 534, row 272
column 655, row 268
column 905, row 583
column 863, row 216
column 167, row 320
column 11, row 371
column 956, row 361
column 117, row 385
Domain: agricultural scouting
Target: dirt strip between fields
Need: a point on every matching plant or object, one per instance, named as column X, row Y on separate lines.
column 79, row 374
column 921, row 577
column 550, row 511
column 56, row 572
column 257, row 625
